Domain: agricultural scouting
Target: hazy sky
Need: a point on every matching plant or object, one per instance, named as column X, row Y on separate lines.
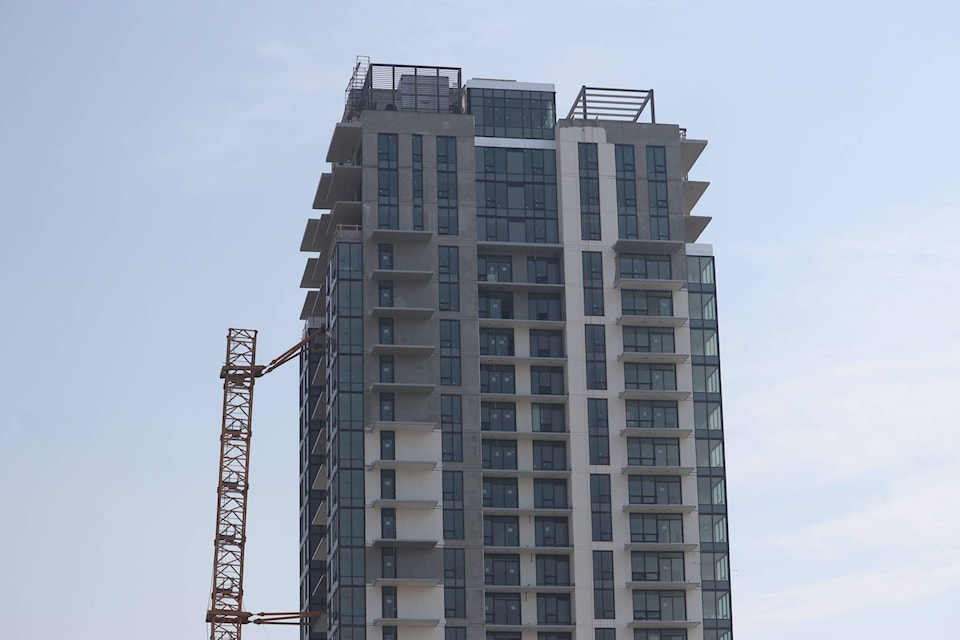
column 158, row 161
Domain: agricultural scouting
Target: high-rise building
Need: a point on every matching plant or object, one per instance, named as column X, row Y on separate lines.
column 513, row 428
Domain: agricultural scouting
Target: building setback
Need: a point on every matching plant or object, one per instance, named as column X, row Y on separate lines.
column 513, row 427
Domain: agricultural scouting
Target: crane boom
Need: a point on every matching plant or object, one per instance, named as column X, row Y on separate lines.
column 226, row 614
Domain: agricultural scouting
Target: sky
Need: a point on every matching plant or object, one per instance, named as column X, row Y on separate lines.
column 158, row 161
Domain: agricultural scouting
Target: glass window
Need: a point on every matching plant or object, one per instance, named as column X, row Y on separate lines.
column 546, row 380
column 501, row 531
column 598, row 431
column 644, row 267
column 600, row 508
column 448, row 272
column 603, row 604
column 551, row 532
column 553, row 570
column 549, row 455
column 643, row 414
column 553, row 608
column 549, row 493
column 626, row 191
column 453, row 505
column 498, row 416
column 501, row 569
column 502, row 608
column 454, row 584
column 659, row 605
column 498, row 454
column 494, row 269
column 544, row 306
column 654, row 490
column 653, row 452
column 656, row 527
column 648, row 340
column 451, row 427
column 646, row 303
column 497, row 379
column 548, row 418
column 650, row 377
column 500, row 493
column 592, row 283
column 656, row 566
column 450, row 353
column 546, row 344
column 447, row 199
column 595, row 342
column 544, row 270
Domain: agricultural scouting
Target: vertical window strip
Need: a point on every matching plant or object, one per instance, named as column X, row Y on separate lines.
column 589, row 192
column 626, row 192
column 418, row 182
column 388, row 179
column 657, row 193
column 447, row 199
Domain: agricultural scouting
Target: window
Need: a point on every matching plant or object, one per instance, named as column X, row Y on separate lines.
column 544, row 271
column 646, row 303
column 548, row 418
column 454, row 584
column 603, row 606
column 706, row 378
column 604, row 633
column 385, row 256
column 659, row 605
column 388, row 484
column 450, row 353
column 553, row 608
column 546, row 381
column 417, row 149
column 502, row 608
column 497, row 379
column 551, row 532
column 516, row 195
column 448, row 271
column 549, row 494
column 495, row 304
column 666, row 634
column 653, row 452
column 710, row 453
column 654, row 489
column 501, row 113
column 447, row 223
column 544, row 306
column 388, row 632
column 388, row 562
column 498, row 416
column 500, row 493
column 549, row 455
column 704, row 342
column 496, row 342
column 656, row 527
column 716, row 605
column 700, row 269
column 657, row 190
column 501, row 531
column 589, row 192
column 386, row 330
column 451, row 427
column 387, row 404
column 498, row 454
column 494, row 269
column 388, row 182
column 453, row 505
column 592, row 283
column 648, row 340
column 649, row 377
column 703, row 306
column 501, row 569
column 644, row 267
column 553, row 570
column 388, row 445
column 546, row 344
column 388, row 524
column 713, row 529
column 715, row 567
column 626, row 191
column 648, row 566
column 386, row 293
column 711, row 491
column 386, row 369
column 600, row 508
column 389, row 602
column 598, row 431
column 642, row 414
column 595, row 342
column 454, row 633
column 707, row 415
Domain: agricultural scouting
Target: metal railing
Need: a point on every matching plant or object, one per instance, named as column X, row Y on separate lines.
column 390, row 87
column 598, row 103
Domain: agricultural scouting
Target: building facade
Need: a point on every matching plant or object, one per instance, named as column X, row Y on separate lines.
column 511, row 428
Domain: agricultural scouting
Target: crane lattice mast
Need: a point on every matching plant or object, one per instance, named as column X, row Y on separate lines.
column 226, row 614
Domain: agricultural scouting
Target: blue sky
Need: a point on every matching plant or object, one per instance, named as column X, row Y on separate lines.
column 158, row 161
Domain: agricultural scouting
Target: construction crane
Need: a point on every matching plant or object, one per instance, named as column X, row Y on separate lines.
column 226, row 615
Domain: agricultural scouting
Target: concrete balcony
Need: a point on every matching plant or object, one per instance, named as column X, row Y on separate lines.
column 659, row 508
column 402, row 388
column 402, row 312
column 401, row 426
column 653, row 358
column 661, row 546
column 344, row 142
column 693, row 226
column 651, row 470
column 411, row 350
column 402, row 503
column 692, row 191
column 636, row 245
column 398, row 236
column 414, row 465
column 690, row 150
column 649, row 284
column 651, row 321
column 402, row 275
column 651, row 394
column 640, row 432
